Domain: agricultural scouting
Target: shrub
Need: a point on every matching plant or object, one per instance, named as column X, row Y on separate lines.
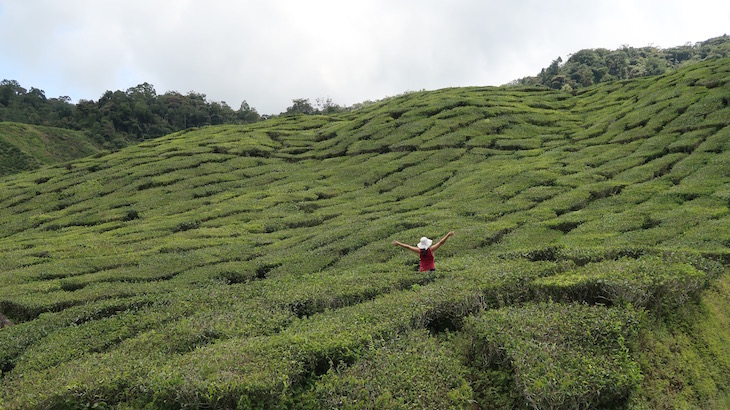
column 186, row 226
column 131, row 215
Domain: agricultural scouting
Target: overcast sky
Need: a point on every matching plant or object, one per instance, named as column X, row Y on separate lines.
column 271, row 52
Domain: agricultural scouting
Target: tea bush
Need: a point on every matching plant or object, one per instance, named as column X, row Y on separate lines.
column 561, row 356
column 409, row 371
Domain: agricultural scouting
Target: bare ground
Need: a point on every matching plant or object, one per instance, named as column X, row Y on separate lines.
column 4, row 321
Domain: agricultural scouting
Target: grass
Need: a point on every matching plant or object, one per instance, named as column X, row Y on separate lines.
column 26, row 147
column 252, row 266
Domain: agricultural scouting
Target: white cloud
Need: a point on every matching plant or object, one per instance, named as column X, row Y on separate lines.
column 270, row 52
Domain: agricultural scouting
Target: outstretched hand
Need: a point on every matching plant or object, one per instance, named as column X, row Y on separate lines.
column 409, row 247
column 438, row 244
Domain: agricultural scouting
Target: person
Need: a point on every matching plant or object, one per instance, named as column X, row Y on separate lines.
column 425, row 251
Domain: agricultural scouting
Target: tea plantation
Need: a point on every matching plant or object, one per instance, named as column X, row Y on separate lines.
column 252, row 266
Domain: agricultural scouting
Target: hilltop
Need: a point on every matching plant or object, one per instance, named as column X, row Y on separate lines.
column 252, row 265
column 593, row 66
column 125, row 117
column 25, row 147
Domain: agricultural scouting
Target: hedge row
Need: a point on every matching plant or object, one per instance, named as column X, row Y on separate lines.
column 650, row 282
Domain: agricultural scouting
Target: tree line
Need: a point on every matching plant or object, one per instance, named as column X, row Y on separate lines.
column 593, row 66
column 120, row 117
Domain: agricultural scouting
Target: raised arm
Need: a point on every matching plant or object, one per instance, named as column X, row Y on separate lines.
column 409, row 247
column 441, row 242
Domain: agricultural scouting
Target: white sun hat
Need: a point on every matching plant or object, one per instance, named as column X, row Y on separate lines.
column 425, row 243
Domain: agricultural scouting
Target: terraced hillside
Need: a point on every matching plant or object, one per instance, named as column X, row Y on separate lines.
column 26, row 147
column 252, row 266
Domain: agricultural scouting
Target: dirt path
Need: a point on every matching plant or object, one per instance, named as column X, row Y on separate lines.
column 4, row 321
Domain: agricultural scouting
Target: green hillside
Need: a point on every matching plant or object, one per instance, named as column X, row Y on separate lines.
column 26, row 147
column 252, row 266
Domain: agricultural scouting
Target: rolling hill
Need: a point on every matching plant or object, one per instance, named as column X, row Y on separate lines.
column 252, row 266
column 26, row 147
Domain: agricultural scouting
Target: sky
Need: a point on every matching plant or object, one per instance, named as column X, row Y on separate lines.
column 270, row 52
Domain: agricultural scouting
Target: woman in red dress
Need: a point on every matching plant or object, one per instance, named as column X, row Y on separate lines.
column 425, row 251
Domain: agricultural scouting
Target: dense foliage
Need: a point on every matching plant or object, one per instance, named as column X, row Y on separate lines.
column 119, row 117
column 251, row 266
column 592, row 66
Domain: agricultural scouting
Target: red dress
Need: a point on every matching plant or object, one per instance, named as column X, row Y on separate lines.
column 427, row 261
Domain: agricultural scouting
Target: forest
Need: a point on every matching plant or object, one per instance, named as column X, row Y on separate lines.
column 592, row 66
column 119, row 118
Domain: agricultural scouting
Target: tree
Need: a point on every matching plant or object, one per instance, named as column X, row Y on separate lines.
column 581, row 74
column 220, row 113
column 300, row 106
column 87, row 113
column 599, row 73
column 61, row 112
column 9, row 89
column 678, row 55
column 327, row 106
column 247, row 114
column 175, row 110
column 588, row 57
column 617, row 63
column 198, row 114
column 141, row 99
column 559, row 81
column 547, row 74
column 655, row 66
